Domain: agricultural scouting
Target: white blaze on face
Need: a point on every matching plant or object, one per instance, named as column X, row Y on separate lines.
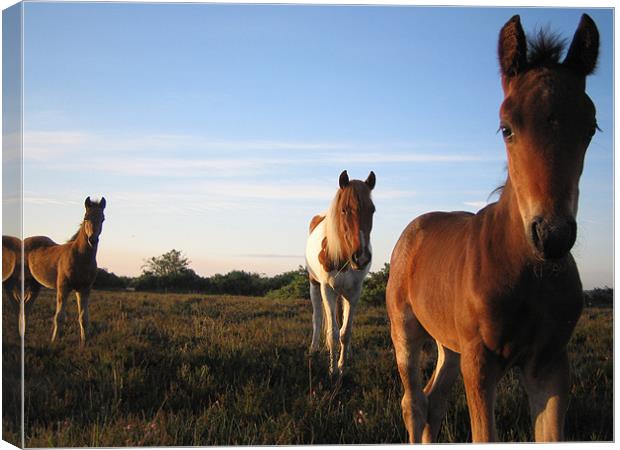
column 574, row 202
column 365, row 253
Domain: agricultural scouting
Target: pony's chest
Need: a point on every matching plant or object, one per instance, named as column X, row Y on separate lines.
column 345, row 281
column 526, row 328
column 80, row 273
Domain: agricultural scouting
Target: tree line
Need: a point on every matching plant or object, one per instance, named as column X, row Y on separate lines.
column 171, row 272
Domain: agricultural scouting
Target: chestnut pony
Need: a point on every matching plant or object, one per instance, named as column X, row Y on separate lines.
column 68, row 267
column 338, row 257
column 500, row 289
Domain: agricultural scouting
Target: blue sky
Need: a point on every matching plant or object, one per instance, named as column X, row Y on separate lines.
column 220, row 130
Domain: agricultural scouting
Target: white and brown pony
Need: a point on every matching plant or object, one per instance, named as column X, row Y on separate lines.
column 500, row 289
column 68, row 267
column 338, row 257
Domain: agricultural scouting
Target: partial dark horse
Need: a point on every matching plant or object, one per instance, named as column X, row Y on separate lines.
column 12, row 251
column 68, row 267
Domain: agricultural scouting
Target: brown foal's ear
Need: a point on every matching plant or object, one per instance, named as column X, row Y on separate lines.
column 102, row 203
column 583, row 51
column 344, row 179
column 371, row 180
column 512, row 48
column 87, row 202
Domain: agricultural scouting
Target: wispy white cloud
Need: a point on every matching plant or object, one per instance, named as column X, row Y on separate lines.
column 226, row 167
column 11, row 148
column 172, row 202
column 270, row 255
column 37, row 200
column 205, row 197
column 46, row 144
column 172, row 155
column 264, row 190
column 285, row 191
column 476, row 204
column 49, row 145
column 401, row 157
column 47, row 201
column 160, row 167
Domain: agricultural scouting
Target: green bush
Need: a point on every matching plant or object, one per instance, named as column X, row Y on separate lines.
column 374, row 286
column 109, row 280
column 599, row 297
column 298, row 287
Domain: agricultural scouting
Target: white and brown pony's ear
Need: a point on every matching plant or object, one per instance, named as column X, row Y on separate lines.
column 344, row 179
column 87, row 202
column 512, row 48
column 371, row 180
column 102, row 203
column 583, row 51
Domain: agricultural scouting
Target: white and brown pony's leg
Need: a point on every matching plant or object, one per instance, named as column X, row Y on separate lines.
column 317, row 315
column 548, row 390
column 438, row 390
column 83, row 317
column 331, row 327
column 481, row 374
column 348, row 310
column 59, row 317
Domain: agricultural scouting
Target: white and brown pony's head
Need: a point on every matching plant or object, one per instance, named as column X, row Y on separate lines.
column 349, row 222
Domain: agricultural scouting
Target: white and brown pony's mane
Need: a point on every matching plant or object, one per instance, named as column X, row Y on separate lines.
column 334, row 250
column 342, row 231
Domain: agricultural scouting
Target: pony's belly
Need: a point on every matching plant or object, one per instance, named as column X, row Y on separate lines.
column 439, row 324
column 313, row 248
column 49, row 282
column 436, row 304
column 42, row 271
column 8, row 264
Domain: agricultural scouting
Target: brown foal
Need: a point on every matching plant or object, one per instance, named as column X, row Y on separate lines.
column 500, row 289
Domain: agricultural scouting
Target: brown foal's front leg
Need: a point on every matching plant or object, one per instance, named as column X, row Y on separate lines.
column 481, row 374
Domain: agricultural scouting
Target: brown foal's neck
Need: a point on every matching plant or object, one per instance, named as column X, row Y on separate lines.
column 81, row 245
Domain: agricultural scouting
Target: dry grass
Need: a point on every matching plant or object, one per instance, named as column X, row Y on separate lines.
column 215, row 370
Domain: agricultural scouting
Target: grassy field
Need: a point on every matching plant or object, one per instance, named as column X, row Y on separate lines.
column 216, row 370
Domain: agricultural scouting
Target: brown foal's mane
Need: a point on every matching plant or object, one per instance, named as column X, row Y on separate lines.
column 545, row 49
column 74, row 237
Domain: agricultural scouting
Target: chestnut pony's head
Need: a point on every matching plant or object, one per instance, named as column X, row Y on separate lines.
column 547, row 121
column 93, row 220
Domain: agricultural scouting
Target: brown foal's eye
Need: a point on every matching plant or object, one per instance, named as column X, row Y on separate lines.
column 592, row 131
column 506, row 132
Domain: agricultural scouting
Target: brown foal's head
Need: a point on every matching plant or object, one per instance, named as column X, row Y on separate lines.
column 547, row 121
